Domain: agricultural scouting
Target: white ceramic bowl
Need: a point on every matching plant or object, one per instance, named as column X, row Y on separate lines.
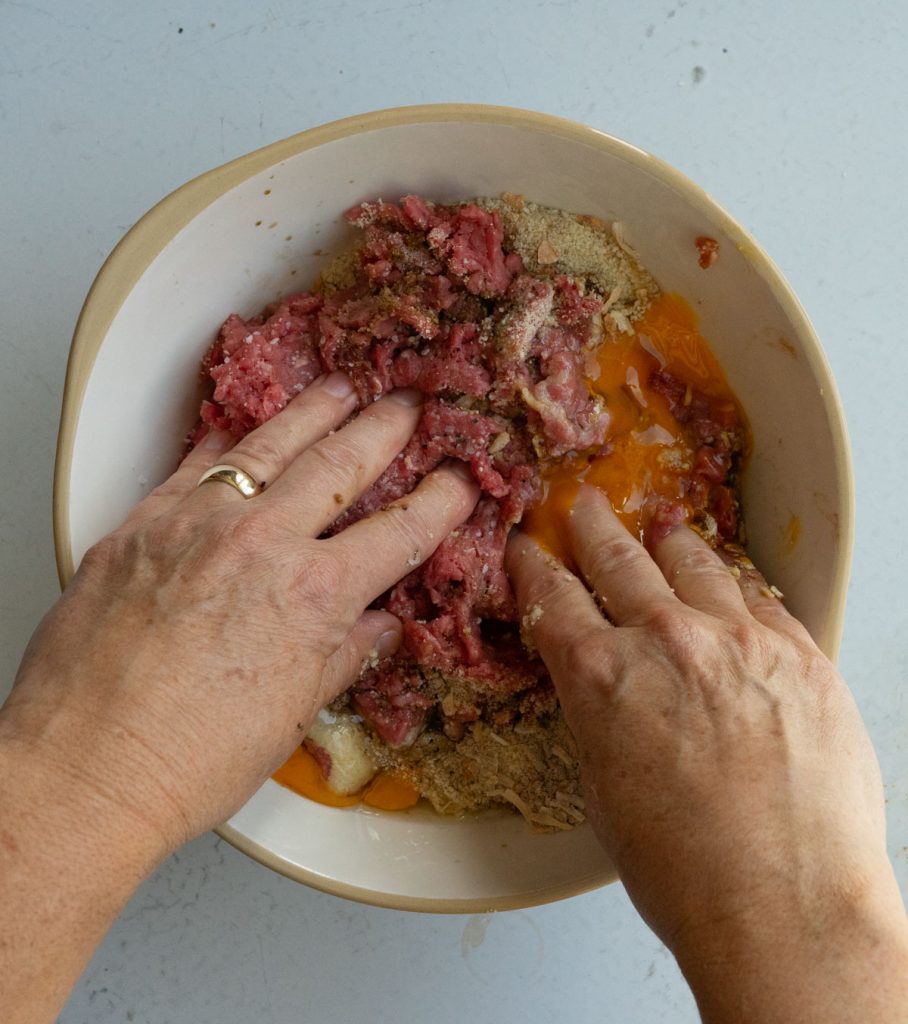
column 244, row 233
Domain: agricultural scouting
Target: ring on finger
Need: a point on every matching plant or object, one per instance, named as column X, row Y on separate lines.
column 232, row 475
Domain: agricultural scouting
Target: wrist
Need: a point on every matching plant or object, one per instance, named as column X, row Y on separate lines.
column 59, row 801
column 70, row 858
column 839, row 955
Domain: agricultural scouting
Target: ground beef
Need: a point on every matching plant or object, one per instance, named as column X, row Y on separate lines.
column 716, row 426
column 437, row 300
column 438, row 304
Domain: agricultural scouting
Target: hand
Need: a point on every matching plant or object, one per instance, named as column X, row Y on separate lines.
column 187, row 660
column 197, row 642
column 727, row 770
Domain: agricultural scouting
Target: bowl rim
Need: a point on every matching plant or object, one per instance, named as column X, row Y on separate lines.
column 415, row 904
column 141, row 245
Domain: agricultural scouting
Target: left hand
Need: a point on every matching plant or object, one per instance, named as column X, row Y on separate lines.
column 726, row 769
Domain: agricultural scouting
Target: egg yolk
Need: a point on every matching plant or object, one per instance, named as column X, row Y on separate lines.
column 632, row 467
column 386, row 792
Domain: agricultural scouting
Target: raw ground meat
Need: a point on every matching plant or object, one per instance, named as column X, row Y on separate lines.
column 439, row 302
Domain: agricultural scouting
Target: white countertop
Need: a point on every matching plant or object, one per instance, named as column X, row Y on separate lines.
column 793, row 116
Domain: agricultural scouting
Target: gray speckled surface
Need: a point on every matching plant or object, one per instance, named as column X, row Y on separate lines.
column 793, row 116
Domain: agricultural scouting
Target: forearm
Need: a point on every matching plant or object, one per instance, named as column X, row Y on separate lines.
column 848, row 966
column 68, row 864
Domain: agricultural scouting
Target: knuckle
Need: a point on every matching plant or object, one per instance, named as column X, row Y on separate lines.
column 319, row 582
column 340, row 458
column 583, row 656
column 260, row 455
column 677, row 632
column 548, row 588
column 409, row 526
column 697, row 560
column 169, row 488
column 106, row 555
column 750, row 644
column 168, row 532
column 241, row 537
column 816, row 670
column 444, row 498
column 615, row 555
column 776, row 617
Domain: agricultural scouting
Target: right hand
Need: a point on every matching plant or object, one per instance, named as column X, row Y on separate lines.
column 726, row 768
column 197, row 642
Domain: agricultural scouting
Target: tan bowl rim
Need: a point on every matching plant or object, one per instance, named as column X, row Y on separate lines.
column 145, row 240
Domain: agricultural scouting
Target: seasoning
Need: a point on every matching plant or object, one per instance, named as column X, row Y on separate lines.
column 513, row 319
column 553, row 242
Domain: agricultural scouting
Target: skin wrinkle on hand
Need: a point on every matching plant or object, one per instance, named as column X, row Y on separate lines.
column 719, row 709
column 108, row 702
column 707, row 702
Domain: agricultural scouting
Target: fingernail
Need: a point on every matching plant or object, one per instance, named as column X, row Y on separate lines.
column 387, row 643
column 406, row 396
column 338, row 384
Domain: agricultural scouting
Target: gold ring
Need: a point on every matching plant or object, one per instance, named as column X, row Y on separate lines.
column 235, row 477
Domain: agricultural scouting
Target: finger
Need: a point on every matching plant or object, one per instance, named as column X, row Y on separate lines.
column 557, row 611
column 697, row 575
column 382, row 549
column 331, row 475
column 264, row 453
column 763, row 601
column 616, row 566
column 376, row 635
column 207, row 453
